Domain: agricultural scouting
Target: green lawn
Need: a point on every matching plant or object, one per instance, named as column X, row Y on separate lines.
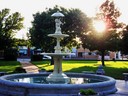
column 8, row 66
column 113, row 69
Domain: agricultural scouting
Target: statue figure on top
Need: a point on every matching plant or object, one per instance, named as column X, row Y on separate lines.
column 58, row 24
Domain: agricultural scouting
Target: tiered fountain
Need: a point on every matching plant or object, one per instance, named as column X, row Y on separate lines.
column 57, row 75
column 56, row 83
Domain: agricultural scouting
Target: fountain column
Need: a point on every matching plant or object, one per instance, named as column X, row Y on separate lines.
column 58, row 65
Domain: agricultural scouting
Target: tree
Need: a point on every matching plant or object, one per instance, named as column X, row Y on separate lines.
column 124, row 41
column 74, row 23
column 9, row 25
column 21, row 42
column 108, row 40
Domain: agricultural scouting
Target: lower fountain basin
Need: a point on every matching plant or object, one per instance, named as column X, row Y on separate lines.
column 12, row 88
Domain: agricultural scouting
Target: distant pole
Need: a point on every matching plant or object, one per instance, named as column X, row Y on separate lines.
column 28, row 52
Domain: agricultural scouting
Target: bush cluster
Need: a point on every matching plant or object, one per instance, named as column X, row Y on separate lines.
column 19, row 70
column 87, row 92
column 36, row 57
column 10, row 54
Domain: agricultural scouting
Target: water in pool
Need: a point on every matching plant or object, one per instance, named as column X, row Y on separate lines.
column 42, row 80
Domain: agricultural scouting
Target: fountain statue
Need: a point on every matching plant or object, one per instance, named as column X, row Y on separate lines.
column 58, row 76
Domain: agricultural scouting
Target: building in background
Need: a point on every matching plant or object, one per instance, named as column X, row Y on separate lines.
column 92, row 55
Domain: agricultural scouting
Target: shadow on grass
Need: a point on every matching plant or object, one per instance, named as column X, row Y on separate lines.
column 116, row 73
column 40, row 62
column 80, row 69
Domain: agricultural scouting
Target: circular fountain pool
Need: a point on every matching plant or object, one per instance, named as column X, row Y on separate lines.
column 33, row 85
column 43, row 80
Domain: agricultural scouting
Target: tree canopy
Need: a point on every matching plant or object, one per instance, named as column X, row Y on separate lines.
column 109, row 38
column 74, row 23
column 9, row 25
column 22, row 42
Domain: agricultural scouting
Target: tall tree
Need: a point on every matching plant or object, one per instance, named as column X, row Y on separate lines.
column 9, row 25
column 108, row 39
column 74, row 23
column 124, row 41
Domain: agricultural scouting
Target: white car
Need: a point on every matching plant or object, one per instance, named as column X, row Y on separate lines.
column 47, row 57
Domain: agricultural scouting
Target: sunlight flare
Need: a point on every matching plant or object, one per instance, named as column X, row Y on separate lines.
column 99, row 25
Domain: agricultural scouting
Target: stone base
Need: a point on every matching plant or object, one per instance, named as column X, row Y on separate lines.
column 58, row 78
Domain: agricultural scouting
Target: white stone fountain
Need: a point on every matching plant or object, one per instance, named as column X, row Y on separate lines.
column 58, row 76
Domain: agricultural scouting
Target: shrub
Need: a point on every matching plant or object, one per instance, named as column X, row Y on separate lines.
column 10, row 54
column 87, row 92
column 19, row 70
column 36, row 57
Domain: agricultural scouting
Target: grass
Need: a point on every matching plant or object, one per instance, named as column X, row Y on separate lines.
column 113, row 69
column 8, row 66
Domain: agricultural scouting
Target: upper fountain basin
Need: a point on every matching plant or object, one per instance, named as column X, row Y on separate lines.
column 57, row 54
column 58, row 35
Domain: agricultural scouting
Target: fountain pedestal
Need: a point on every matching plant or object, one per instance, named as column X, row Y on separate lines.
column 58, row 76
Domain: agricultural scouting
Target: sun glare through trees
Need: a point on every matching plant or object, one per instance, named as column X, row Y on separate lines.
column 99, row 25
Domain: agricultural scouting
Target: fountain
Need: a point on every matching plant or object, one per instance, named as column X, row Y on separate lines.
column 56, row 83
column 57, row 75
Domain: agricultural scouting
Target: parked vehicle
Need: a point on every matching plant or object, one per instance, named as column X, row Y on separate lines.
column 47, row 57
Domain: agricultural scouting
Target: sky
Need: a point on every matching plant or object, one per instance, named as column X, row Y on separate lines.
column 29, row 7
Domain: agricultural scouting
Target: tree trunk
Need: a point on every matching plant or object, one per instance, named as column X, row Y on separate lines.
column 102, row 57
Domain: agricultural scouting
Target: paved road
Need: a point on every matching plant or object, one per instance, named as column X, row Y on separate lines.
column 122, row 88
column 29, row 68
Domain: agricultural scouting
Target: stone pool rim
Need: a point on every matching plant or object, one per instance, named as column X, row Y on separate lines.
column 105, row 87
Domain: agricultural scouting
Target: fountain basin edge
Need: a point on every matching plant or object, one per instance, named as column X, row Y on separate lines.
column 12, row 88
